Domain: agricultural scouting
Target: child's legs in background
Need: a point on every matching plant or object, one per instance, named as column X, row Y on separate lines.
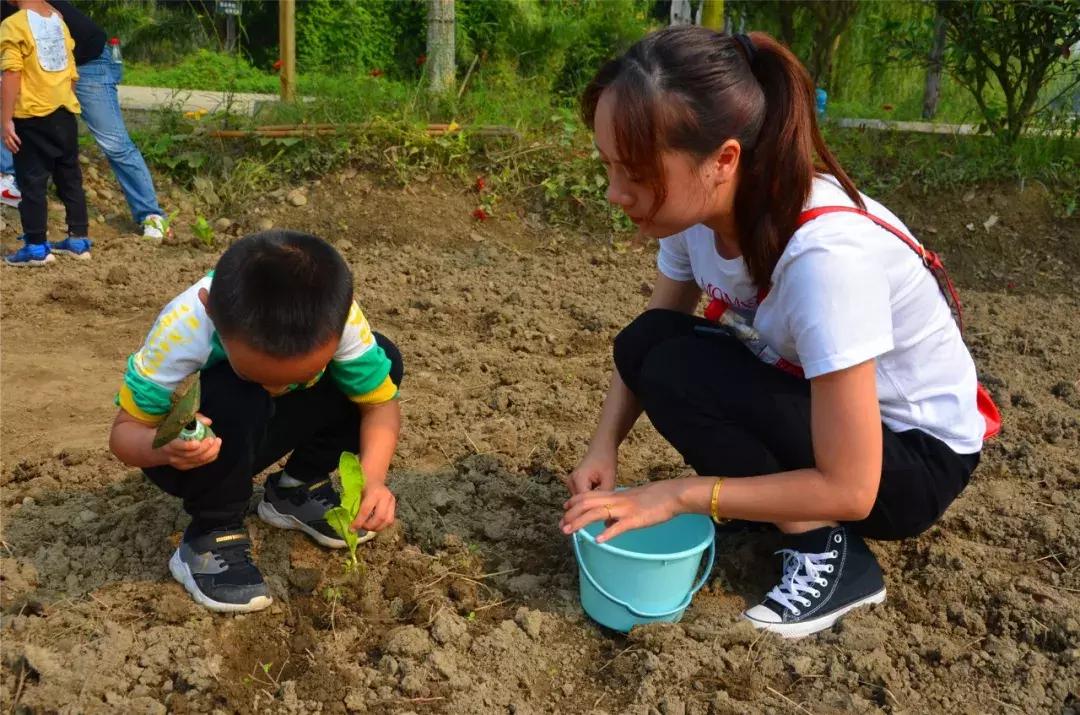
column 33, row 166
column 67, row 174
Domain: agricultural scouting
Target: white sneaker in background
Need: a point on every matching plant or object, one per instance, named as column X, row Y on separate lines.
column 9, row 191
column 155, row 227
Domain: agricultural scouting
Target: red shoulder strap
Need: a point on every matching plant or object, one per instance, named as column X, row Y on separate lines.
column 929, row 258
column 933, row 263
column 811, row 214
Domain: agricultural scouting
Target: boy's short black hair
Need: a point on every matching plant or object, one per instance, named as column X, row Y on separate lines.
column 284, row 293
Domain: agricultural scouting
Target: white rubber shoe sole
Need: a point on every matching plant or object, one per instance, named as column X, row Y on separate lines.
column 273, row 517
column 84, row 256
column 32, row 264
column 809, row 627
column 182, row 573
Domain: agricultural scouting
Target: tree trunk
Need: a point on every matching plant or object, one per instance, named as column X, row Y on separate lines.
column 712, row 14
column 440, row 47
column 831, row 20
column 230, row 33
column 787, row 24
column 933, row 69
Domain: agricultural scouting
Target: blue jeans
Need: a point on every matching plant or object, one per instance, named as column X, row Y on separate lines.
column 96, row 91
column 7, row 161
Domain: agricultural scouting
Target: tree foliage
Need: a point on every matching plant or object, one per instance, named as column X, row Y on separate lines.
column 830, row 20
column 1016, row 47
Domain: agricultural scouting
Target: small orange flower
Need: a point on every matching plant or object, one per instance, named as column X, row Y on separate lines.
column 480, row 214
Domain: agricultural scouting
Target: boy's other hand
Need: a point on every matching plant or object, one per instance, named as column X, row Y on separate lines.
column 377, row 507
column 11, row 139
column 189, row 454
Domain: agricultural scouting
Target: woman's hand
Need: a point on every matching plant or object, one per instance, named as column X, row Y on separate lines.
column 597, row 470
column 623, row 510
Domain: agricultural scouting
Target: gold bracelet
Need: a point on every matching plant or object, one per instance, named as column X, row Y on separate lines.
column 714, row 505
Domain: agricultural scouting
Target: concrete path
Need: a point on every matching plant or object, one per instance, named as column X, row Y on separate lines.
column 917, row 127
column 191, row 100
column 249, row 103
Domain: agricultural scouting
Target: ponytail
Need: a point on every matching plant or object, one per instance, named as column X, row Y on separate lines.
column 691, row 89
column 777, row 172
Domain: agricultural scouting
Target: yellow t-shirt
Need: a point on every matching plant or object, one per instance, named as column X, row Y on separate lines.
column 40, row 49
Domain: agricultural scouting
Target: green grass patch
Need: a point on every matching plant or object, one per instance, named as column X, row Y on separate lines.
column 883, row 162
column 548, row 164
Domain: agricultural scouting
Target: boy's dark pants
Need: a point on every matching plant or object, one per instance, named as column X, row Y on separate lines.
column 316, row 424
column 49, row 147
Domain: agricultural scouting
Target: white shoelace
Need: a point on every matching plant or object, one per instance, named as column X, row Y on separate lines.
column 802, row 574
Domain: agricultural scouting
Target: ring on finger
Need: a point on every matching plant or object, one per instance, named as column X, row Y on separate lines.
column 609, row 515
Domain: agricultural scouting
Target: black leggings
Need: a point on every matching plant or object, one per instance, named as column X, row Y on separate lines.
column 730, row 414
column 316, row 424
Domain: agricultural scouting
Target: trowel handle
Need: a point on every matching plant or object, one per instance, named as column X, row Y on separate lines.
column 195, row 431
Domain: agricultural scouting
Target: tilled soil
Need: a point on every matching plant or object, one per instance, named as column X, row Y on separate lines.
column 470, row 604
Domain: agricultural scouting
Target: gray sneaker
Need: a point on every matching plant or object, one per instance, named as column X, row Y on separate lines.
column 304, row 508
column 217, row 570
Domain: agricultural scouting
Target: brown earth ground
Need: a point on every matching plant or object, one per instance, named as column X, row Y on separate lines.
column 470, row 604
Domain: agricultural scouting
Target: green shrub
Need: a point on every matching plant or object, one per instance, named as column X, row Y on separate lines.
column 204, row 70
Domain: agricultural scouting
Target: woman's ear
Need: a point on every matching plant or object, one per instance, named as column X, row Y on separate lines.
column 204, row 297
column 722, row 165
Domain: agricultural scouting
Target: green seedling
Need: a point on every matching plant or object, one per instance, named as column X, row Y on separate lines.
column 167, row 221
column 203, row 231
column 341, row 517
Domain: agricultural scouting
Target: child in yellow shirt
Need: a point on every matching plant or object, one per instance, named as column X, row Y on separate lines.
column 37, row 117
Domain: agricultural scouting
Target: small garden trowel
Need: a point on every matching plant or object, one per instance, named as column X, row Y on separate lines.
column 181, row 422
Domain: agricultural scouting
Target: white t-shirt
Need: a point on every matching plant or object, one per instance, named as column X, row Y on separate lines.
column 843, row 292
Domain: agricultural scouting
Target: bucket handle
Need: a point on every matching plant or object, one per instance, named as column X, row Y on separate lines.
column 643, row 614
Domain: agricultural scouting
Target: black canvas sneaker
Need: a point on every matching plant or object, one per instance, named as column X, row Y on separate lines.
column 826, row 573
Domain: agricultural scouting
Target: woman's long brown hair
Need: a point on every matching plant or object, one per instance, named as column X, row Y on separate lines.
column 691, row 89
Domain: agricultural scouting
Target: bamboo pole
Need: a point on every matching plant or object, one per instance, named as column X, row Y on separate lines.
column 287, row 43
column 308, row 130
column 712, row 14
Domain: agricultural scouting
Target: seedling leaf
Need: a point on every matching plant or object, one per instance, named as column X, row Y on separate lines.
column 341, row 517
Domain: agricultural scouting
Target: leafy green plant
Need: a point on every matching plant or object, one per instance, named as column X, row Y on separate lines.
column 205, row 69
column 167, row 221
column 203, row 231
column 352, row 486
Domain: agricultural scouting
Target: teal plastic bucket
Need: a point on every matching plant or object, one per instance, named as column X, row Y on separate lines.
column 645, row 575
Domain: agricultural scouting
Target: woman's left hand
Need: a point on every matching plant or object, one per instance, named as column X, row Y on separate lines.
column 623, row 510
